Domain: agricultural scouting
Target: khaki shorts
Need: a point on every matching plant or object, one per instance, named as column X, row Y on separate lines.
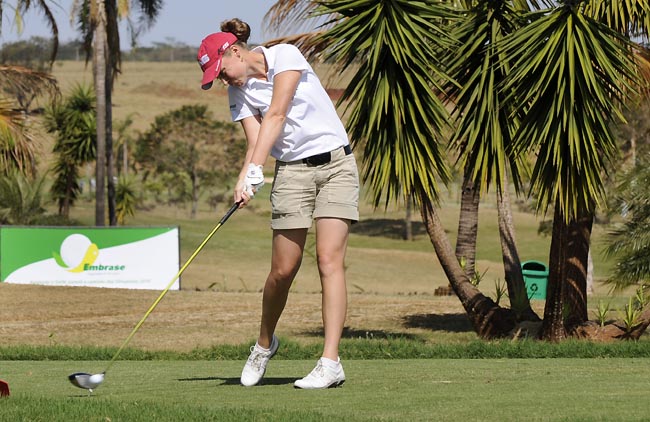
column 302, row 192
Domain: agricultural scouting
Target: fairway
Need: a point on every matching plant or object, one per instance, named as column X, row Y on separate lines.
column 391, row 390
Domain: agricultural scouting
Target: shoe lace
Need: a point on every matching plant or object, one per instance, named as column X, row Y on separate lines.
column 255, row 359
column 319, row 370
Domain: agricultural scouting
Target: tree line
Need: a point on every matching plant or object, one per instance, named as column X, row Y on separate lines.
column 34, row 53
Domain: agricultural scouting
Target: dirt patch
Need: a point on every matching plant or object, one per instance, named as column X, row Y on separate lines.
column 41, row 315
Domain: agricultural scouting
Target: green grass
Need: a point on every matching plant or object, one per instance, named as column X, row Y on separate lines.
column 391, row 390
column 360, row 349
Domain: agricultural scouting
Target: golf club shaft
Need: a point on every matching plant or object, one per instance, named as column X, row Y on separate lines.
column 164, row 292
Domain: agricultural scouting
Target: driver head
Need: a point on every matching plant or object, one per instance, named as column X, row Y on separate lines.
column 86, row 381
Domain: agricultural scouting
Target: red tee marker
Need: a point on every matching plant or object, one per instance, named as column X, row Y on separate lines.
column 4, row 389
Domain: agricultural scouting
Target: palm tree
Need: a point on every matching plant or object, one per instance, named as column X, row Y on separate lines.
column 98, row 24
column 20, row 86
column 484, row 129
column 17, row 142
column 564, row 116
column 572, row 76
column 74, row 124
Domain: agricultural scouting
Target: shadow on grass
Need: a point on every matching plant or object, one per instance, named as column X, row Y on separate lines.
column 235, row 381
column 386, row 227
column 455, row 323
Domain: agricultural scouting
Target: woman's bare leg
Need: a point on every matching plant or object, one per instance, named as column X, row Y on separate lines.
column 287, row 251
column 331, row 245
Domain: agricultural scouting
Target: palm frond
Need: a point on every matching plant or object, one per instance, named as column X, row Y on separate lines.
column 485, row 124
column 17, row 143
column 628, row 17
column 572, row 76
column 292, row 15
column 394, row 111
column 23, row 83
column 23, row 6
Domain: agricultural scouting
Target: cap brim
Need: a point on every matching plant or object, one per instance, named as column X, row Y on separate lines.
column 210, row 74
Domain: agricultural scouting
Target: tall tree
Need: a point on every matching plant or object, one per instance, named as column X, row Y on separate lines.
column 100, row 75
column 189, row 144
column 572, row 76
column 99, row 26
column 485, row 125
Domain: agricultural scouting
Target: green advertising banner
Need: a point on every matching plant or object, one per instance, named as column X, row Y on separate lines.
column 125, row 257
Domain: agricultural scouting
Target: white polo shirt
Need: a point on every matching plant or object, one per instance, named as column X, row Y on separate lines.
column 312, row 125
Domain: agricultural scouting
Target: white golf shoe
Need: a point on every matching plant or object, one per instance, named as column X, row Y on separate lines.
column 256, row 364
column 324, row 375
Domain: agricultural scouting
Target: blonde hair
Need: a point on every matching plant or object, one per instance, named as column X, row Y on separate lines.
column 238, row 28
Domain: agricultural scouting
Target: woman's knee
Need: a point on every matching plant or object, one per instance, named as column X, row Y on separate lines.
column 330, row 262
column 283, row 274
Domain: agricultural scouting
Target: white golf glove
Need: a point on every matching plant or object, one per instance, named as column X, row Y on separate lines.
column 254, row 179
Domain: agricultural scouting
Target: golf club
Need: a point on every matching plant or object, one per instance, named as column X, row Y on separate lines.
column 91, row 381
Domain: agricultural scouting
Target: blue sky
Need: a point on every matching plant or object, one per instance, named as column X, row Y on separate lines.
column 186, row 21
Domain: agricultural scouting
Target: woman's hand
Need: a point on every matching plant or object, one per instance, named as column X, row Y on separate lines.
column 241, row 194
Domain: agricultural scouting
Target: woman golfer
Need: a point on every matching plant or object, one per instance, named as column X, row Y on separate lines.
column 286, row 113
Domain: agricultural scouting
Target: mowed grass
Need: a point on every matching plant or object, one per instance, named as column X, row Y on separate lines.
column 389, row 390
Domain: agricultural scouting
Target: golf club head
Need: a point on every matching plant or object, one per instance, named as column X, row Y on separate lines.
column 86, row 381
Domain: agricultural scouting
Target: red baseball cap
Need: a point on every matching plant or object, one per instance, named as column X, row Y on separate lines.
column 210, row 54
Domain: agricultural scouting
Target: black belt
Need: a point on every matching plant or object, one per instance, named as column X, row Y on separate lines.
column 324, row 158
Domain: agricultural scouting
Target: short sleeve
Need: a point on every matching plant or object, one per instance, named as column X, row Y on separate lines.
column 239, row 107
column 288, row 57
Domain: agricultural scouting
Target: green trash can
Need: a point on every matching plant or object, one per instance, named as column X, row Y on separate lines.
column 536, row 279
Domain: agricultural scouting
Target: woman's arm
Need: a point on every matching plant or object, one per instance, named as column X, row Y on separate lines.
column 284, row 88
column 251, row 126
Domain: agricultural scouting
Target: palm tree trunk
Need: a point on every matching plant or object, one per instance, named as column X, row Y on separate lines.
column 488, row 319
column 110, row 162
column 577, row 264
column 468, row 225
column 99, row 68
column 553, row 325
column 511, row 263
